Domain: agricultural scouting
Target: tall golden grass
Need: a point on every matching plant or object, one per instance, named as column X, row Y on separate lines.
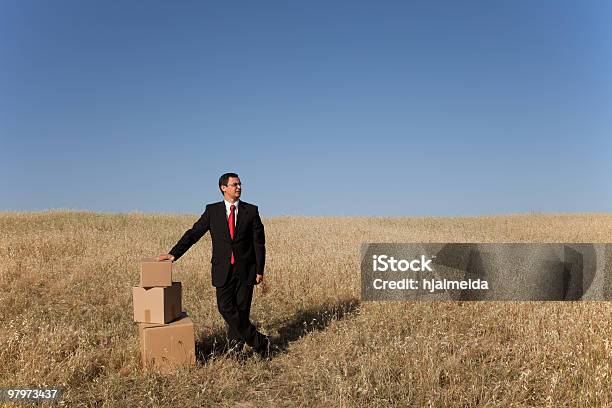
column 65, row 307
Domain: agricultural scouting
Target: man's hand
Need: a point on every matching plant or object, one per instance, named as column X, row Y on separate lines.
column 164, row 257
column 258, row 279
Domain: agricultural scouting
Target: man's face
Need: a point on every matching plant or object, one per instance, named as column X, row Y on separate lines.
column 232, row 191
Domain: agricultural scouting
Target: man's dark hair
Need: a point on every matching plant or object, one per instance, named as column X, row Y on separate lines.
column 224, row 179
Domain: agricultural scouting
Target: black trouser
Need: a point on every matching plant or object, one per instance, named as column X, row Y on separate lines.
column 234, row 303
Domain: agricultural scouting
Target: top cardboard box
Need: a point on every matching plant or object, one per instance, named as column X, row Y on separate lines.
column 154, row 273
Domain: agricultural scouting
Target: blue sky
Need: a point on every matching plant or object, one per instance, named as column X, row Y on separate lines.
column 324, row 108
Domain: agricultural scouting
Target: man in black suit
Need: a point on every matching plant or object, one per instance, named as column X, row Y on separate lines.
column 238, row 258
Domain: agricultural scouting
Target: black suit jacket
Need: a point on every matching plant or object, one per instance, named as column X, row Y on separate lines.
column 248, row 244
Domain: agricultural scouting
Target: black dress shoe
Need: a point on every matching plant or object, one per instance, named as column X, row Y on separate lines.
column 265, row 350
column 235, row 345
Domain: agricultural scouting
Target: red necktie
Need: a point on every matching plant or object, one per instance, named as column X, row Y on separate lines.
column 231, row 223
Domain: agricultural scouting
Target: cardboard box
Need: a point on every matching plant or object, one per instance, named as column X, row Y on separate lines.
column 157, row 305
column 166, row 347
column 154, row 273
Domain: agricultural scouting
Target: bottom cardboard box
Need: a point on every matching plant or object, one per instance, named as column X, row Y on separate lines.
column 164, row 347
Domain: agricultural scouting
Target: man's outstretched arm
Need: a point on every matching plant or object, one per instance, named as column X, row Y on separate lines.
column 190, row 237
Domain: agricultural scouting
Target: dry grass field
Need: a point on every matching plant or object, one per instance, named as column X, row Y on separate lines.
column 66, row 312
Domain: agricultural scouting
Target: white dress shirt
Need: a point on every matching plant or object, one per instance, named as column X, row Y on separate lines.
column 227, row 210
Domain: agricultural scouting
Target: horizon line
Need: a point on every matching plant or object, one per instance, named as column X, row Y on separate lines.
column 177, row 214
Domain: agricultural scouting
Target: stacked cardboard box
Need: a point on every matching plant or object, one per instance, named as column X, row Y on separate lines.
column 166, row 332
